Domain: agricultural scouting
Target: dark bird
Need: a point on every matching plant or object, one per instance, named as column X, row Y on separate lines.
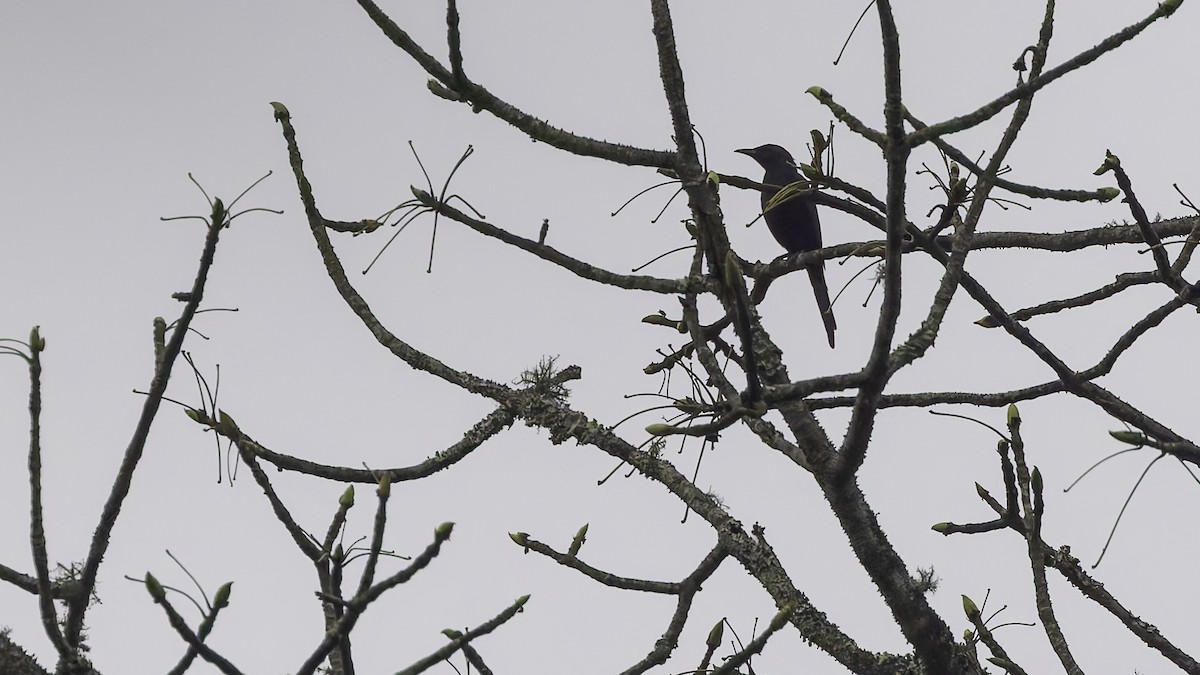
column 794, row 222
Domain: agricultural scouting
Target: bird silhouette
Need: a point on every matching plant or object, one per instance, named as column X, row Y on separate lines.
column 794, row 222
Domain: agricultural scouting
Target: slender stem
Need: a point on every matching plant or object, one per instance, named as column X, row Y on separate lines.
column 77, row 606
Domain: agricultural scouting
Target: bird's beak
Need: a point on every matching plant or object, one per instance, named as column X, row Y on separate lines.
column 746, row 151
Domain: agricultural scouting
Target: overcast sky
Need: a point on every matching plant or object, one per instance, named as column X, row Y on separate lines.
column 107, row 107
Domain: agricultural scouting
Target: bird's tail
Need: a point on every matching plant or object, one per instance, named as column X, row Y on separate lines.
column 816, row 274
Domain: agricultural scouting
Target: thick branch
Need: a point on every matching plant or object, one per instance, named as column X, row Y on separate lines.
column 753, row 552
column 77, row 606
column 482, row 99
column 489, row 426
column 989, row 110
column 573, row 265
column 333, row 266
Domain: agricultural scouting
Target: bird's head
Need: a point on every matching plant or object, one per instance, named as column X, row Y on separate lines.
column 770, row 156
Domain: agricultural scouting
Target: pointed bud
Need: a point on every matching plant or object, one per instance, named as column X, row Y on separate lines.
column 577, row 542
column 347, row 498
column 1014, row 416
column 1107, row 194
column 660, row 429
column 659, row 319
column 281, row 111
column 443, row 531
column 155, row 588
column 982, row 491
column 1130, row 437
column 451, row 633
column 385, row 485
column 941, row 528
column 36, row 342
column 716, row 635
column 217, row 217
column 226, row 425
column 196, row 415
column 521, row 601
column 969, row 606
column 221, row 599
column 1110, row 162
